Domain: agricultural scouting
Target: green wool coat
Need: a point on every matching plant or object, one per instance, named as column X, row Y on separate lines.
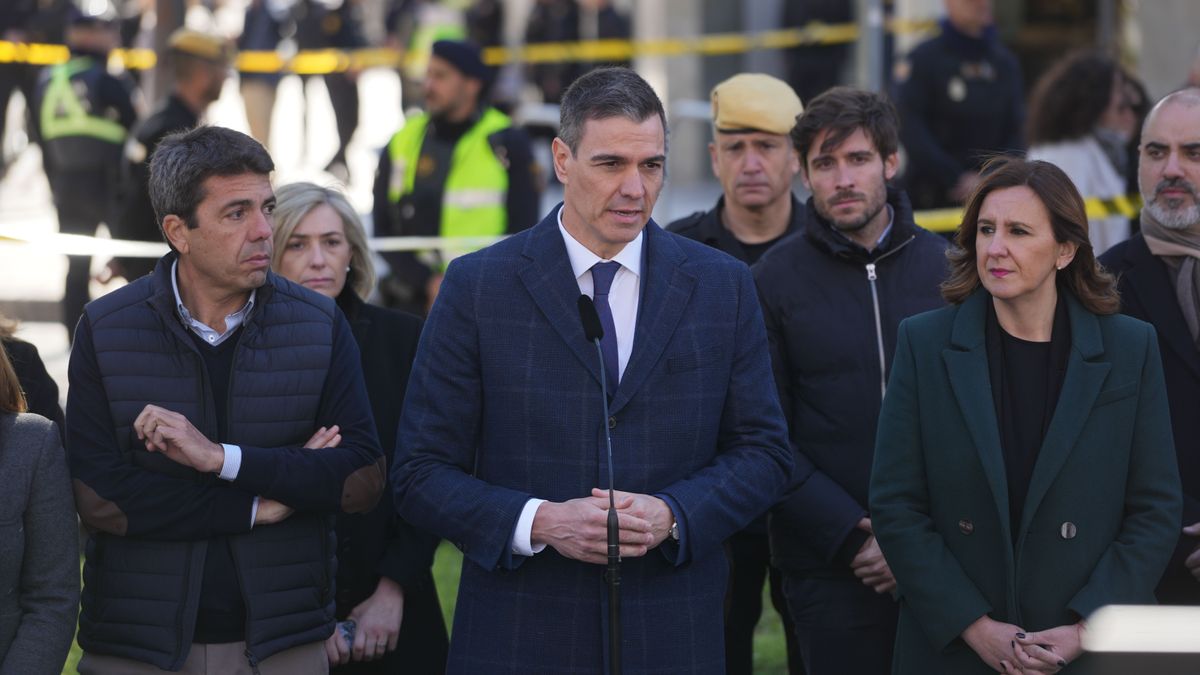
column 1103, row 506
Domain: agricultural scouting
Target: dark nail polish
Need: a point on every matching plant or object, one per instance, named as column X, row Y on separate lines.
column 1020, row 636
column 1013, row 643
column 1062, row 664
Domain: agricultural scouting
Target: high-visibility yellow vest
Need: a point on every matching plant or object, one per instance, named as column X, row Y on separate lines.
column 474, row 196
column 64, row 115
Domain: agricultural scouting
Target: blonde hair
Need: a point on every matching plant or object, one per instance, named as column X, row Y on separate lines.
column 295, row 201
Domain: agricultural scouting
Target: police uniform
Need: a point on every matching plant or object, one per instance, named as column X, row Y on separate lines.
column 475, row 178
column 84, row 116
column 960, row 99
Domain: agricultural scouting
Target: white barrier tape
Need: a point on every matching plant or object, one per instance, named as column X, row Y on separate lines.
column 78, row 244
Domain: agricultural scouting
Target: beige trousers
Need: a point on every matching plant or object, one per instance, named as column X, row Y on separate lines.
column 222, row 659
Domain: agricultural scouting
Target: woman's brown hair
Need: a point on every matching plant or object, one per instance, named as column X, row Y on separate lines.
column 12, row 399
column 1083, row 276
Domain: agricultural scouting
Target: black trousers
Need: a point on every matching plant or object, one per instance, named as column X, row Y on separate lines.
column 749, row 557
column 343, row 94
column 842, row 626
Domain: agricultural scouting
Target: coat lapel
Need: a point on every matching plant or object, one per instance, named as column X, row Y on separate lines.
column 1147, row 277
column 551, row 283
column 967, row 366
column 665, row 292
column 1080, row 387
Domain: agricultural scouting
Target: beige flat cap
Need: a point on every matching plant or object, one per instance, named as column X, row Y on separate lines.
column 755, row 102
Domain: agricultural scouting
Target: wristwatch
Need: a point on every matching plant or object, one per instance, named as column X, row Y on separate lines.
column 673, row 533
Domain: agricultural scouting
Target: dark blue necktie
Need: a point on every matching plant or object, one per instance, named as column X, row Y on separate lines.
column 602, row 278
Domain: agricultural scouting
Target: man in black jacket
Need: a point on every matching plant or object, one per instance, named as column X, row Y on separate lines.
column 199, row 64
column 1158, row 275
column 195, row 393
column 755, row 161
column 833, row 296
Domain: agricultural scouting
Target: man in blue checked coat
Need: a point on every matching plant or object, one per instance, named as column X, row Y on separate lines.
column 501, row 445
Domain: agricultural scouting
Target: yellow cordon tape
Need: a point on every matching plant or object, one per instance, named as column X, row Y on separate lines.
column 939, row 220
column 320, row 62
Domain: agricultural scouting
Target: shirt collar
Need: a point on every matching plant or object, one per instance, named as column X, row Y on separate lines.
column 582, row 259
column 212, row 337
column 883, row 237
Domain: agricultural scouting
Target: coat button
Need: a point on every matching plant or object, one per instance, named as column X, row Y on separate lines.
column 612, row 423
column 1068, row 530
column 965, row 526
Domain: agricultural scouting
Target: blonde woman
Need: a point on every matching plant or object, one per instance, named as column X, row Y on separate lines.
column 384, row 583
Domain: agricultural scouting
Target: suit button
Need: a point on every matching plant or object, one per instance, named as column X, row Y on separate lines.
column 1068, row 530
column 612, row 423
column 965, row 526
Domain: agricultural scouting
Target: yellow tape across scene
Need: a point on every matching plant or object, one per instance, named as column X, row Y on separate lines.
column 319, row 62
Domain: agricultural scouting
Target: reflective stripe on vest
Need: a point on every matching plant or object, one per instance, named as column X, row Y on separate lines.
column 473, row 199
column 63, row 114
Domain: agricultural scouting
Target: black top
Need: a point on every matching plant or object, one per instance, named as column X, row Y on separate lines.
column 41, row 391
column 706, row 227
column 420, row 214
column 222, row 614
column 137, row 220
column 1026, row 380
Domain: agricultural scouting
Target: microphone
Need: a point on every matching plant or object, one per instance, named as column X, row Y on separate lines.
column 593, row 330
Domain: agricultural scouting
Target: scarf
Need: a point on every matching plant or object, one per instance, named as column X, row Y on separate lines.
column 1179, row 249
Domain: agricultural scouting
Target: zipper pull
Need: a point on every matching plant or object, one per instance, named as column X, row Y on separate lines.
column 870, row 271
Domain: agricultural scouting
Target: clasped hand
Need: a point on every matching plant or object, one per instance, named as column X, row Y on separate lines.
column 1009, row 649
column 578, row 528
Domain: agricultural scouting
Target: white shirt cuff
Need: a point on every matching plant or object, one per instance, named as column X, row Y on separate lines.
column 232, row 463
column 253, row 511
column 520, row 541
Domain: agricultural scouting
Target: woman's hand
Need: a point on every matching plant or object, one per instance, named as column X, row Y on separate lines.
column 1048, row 651
column 994, row 642
column 378, row 619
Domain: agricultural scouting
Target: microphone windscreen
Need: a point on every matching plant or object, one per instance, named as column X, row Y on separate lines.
column 590, row 319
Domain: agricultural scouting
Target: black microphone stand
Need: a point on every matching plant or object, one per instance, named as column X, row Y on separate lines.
column 612, row 574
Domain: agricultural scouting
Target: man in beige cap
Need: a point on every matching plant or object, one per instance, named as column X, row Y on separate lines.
column 199, row 64
column 753, row 158
column 755, row 162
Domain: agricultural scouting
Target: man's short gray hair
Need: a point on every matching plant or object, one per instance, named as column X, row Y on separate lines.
column 184, row 160
column 605, row 93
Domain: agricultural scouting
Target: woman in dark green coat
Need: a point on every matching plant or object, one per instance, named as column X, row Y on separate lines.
column 1024, row 469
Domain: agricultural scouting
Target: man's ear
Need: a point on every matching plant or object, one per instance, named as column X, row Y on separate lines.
column 176, row 230
column 561, row 154
column 891, row 164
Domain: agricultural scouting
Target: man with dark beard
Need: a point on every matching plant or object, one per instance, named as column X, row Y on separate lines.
column 833, row 296
column 459, row 170
column 1159, row 280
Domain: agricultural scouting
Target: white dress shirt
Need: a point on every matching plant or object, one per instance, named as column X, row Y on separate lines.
column 623, row 299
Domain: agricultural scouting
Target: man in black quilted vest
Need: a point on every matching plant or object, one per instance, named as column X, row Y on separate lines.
column 217, row 420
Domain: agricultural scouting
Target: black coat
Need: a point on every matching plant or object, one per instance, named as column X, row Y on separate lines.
column 379, row 543
column 706, row 228
column 41, row 391
column 826, row 351
column 1147, row 293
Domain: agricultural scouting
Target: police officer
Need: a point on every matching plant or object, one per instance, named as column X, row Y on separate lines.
column 458, row 170
column 199, row 64
column 84, row 116
column 960, row 100
column 755, row 161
